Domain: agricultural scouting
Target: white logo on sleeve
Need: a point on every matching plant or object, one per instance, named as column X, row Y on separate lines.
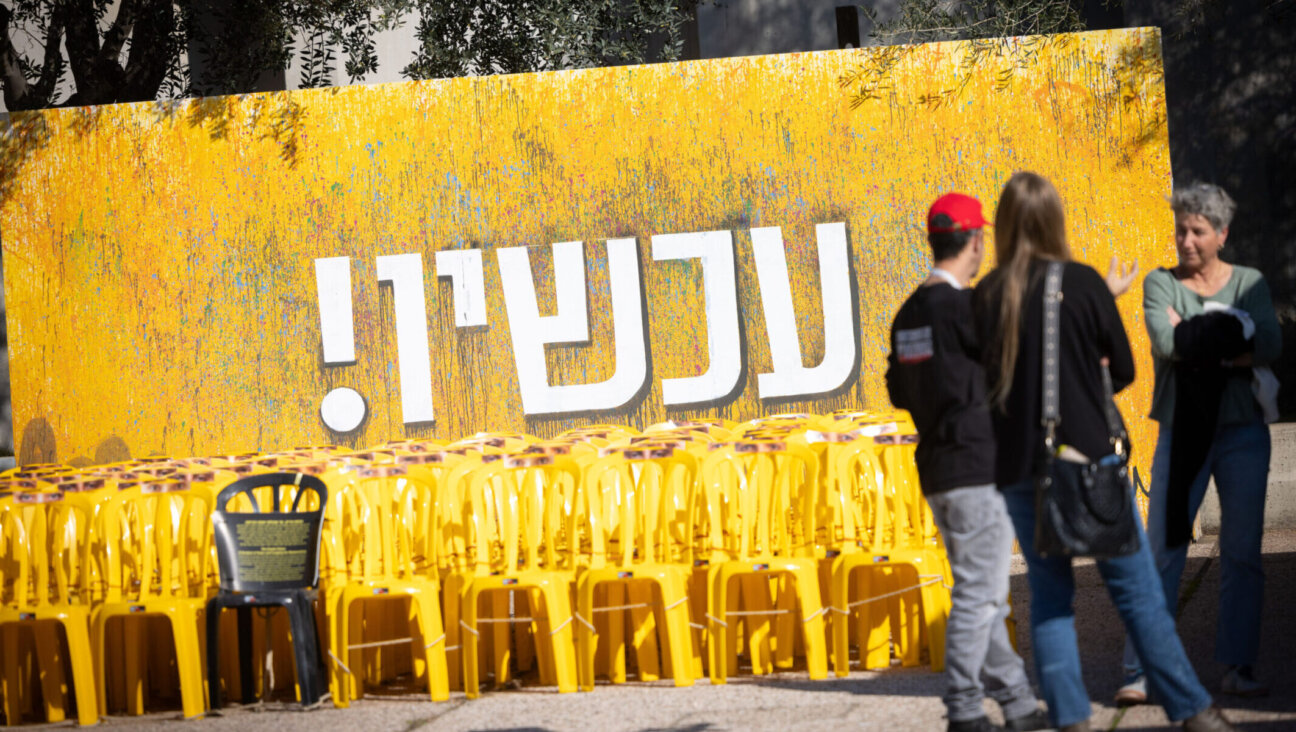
column 914, row 345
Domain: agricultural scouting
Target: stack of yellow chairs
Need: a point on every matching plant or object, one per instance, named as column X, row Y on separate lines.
column 521, row 536
column 881, row 538
column 44, row 565
column 630, row 505
column 694, row 547
column 378, row 539
column 759, row 497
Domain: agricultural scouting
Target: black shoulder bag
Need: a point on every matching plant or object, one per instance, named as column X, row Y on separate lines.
column 1082, row 509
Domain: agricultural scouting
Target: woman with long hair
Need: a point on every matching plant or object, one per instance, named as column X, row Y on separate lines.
column 1008, row 306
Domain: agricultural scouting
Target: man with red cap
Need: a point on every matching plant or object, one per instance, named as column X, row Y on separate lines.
column 933, row 371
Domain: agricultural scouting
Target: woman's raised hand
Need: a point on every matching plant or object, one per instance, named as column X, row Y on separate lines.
column 1120, row 277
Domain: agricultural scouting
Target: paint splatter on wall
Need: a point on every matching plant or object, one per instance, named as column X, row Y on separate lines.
column 728, row 237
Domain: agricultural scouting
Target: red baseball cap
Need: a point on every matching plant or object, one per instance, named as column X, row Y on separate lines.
column 963, row 210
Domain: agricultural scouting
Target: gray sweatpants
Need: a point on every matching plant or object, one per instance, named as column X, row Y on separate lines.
column 979, row 657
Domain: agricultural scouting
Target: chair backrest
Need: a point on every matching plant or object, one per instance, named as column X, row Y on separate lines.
column 438, row 526
column 632, row 502
column 912, row 521
column 759, row 499
column 520, row 511
column 46, row 548
column 388, row 521
column 148, row 537
column 858, row 494
column 600, row 435
column 269, row 548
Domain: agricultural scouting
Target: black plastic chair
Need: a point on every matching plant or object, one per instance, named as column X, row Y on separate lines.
column 268, row 558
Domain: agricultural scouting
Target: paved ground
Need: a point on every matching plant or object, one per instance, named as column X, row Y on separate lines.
column 1280, row 500
column 898, row 699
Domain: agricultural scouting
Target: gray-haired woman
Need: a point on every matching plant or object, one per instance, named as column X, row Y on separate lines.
column 1213, row 332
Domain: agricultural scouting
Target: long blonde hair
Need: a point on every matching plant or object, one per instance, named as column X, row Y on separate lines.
column 1029, row 225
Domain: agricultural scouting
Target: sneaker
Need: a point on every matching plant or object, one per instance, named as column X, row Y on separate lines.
column 1134, row 692
column 980, row 724
column 1077, row 727
column 1036, row 720
column 1241, row 681
column 1209, row 719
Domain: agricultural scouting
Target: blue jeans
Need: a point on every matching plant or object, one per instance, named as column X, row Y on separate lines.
column 1132, row 582
column 1239, row 460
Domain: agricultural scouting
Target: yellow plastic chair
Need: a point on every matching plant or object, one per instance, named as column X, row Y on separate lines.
column 628, row 502
column 385, row 620
column 876, row 539
column 790, row 431
column 457, row 568
column 454, row 564
column 610, row 659
column 759, row 500
column 145, row 534
column 521, row 535
column 44, row 583
column 510, row 644
column 386, row 552
column 916, row 531
column 156, row 661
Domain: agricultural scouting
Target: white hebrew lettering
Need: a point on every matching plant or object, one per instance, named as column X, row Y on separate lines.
column 333, row 288
column 530, row 331
column 720, row 289
column 790, row 377
column 570, row 323
column 405, row 273
column 464, row 268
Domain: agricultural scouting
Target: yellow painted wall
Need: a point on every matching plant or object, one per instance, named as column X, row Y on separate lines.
column 159, row 258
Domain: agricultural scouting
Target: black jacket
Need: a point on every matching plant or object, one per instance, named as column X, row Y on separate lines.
column 1091, row 329
column 933, row 371
column 1202, row 343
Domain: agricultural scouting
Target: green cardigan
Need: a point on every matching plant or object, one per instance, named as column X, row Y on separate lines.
column 1246, row 290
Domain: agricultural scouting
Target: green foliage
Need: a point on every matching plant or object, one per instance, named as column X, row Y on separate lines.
column 135, row 50
column 460, row 37
column 920, row 21
column 237, row 41
column 987, row 24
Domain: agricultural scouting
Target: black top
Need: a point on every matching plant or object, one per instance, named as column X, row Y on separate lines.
column 933, row 372
column 1202, row 342
column 1091, row 329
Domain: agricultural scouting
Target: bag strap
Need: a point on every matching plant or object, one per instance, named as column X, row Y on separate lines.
column 1051, row 417
column 1115, row 429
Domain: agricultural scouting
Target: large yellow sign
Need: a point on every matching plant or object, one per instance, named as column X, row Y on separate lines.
column 635, row 244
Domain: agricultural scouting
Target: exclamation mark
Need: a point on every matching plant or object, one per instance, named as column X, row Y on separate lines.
column 343, row 409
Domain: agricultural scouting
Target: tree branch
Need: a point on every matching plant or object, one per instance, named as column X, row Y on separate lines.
column 83, row 49
column 151, row 51
column 52, row 65
column 116, row 36
column 16, row 89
